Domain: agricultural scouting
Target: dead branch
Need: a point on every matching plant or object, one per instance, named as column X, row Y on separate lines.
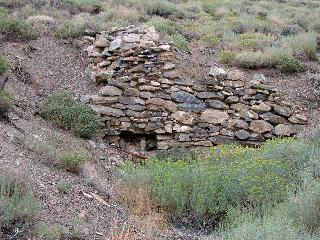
column 4, row 83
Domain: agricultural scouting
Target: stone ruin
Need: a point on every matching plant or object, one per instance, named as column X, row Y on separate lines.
column 144, row 99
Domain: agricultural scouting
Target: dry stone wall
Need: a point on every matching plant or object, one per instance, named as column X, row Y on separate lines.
column 143, row 95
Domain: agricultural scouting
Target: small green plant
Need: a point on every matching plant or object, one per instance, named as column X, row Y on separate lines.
column 289, row 65
column 210, row 40
column 250, row 59
column 64, row 186
column 227, row 56
column 50, row 232
column 16, row 29
column 70, row 29
column 307, row 43
column 4, row 64
column 181, row 42
column 92, row 6
column 252, row 40
column 78, row 228
column 70, row 114
column 17, row 203
column 72, row 162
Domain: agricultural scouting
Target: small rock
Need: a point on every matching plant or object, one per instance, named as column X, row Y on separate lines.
column 218, row 73
column 214, row 116
column 110, row 91
column 242, row 134
column 282, row 111
column 261, row 126
column 284, row 130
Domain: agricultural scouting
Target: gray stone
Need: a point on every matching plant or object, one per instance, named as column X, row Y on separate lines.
column 183, row 117
column 232, row 99
column 261, row 126
column 131, row 92
column 261, row 108
column 282, row 111
column 131, row 101
column 284, row 130
column 214, row 116
column 107, row 111
column 242, row 134
column 197, row 107
column 110, row 91
column 238, row 123
column 272, row 118
column 184, row 97
column 115, row 44
column 216, row 104
column 218, row 73
column 210, row 95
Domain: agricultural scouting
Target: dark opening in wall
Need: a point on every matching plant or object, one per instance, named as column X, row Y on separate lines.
column 145, row 142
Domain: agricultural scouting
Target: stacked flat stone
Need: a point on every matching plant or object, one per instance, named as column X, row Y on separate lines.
column 142, row 92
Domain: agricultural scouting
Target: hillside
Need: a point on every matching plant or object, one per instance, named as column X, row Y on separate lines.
column 79, row 160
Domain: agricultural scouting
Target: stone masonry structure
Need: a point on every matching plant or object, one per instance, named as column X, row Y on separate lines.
column 144, row 97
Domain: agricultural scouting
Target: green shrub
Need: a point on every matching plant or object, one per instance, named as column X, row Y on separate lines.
column 210, row 40
column 289, row 65
column 64, row 186
column 198, row 188
column 250, row 59
column 50, row 232
column 16, row 29
column 5, row 103
column 70, row 29
column 227, row 56
column 4, row 64
column 307, row 43
column 72, row 162
column 304, row 207
column 252, row 40
column 181, row 42
column 17, row 203
column 70, row 114
column 92, row 6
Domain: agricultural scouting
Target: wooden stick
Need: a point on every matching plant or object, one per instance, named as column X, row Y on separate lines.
column 4, row 83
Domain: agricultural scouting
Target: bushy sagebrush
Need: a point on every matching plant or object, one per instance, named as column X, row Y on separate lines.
column 200, row 187
column 17, row 203
column 227, row 56
column 70, row 29
column 70, row 114
column 289, row 65
column 5, row 103
column 93, row 6
column 306, row 43
column 4, row 64
column 72, row 162
column 16, row 29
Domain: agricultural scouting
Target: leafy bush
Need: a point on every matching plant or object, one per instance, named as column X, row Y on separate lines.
column 70, row 114
column 17, row 203
column 72, row 162
column 289, row 65
column 211, row 40
column 250, row 59
column 181, row 42
column 208, row 186
column 4, row 64
column 252, row 40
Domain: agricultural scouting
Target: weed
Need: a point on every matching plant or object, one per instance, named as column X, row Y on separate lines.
column 64, row 186
column 4, row 64
column 5, row 103
column 227, row 56
column 17, row 203
column 72, row 162
column 92, row 6
column 289, row 65
column 70, row 114
column 211, row 40
column 307, row 43
column 50, row 232
column 70, row 29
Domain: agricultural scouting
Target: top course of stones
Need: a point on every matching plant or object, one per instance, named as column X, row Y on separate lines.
column 142, row 93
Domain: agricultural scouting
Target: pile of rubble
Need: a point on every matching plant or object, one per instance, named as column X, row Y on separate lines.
column 143, row 96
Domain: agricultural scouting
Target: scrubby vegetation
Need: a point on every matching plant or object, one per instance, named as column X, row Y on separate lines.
column 234, row 28
column 211, row 186
column 17, row 203
column 61, row 108
column 72, row 162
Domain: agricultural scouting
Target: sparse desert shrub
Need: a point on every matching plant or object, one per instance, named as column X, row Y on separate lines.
column 78, row 228
column 211, row 40
column 227, row 56
column 4, row 64
column 181, row 42
column 17, row 203
column 70, row 114
column 70, row 29
column 72, row 162
column 50, row 232
column 199, row 188
column 250, row 59
column 307, row 43
column 252, row 40
column 304, row 207
column 289, row 65
column 64, row 186
column 5, row 103
column 92, row 6
column 16, row 29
